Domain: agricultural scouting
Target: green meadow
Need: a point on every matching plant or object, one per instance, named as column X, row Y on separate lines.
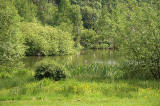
column 82, row 88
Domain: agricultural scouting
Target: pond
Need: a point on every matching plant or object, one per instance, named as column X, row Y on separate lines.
column 80, row 58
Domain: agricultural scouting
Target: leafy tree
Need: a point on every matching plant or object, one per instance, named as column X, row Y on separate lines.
column 26, row 9
column 11, row 41
column 89, row 17
column 46, row 11
column 141, row 38
column 64, row 6
column 76, row 17
column 90, row 39
column 87, row 38
column 111, row 25
column 62, row 16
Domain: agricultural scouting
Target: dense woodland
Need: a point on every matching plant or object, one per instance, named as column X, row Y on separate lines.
column 60, row 27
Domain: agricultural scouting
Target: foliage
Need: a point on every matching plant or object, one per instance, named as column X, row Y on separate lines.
column 46, row 40
column 133, row 28
column 130, row 71
column 11, row 40
column 62, row 16
column 26, row 9
column 76, row 18
column 130, row 26
column 89, row 17
column 141, row 39
column 89, row 39
column 46, row 11
column 57, row 27
column 106, row 18
column 50, row 70
column 5, row 72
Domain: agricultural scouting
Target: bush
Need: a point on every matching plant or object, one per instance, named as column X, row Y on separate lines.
column 46, row 40
column 50, row 70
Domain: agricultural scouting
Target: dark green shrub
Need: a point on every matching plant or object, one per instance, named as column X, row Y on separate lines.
column 50, row 70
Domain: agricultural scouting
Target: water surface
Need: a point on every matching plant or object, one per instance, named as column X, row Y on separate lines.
column 82, row 57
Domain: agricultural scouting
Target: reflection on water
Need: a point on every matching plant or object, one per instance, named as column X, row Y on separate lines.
column 83, row 57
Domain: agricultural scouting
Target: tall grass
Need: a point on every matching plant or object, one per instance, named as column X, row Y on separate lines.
column 95, row 72
column 88, row 83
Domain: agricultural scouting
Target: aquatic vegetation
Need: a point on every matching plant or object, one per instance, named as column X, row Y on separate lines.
column 95, row 72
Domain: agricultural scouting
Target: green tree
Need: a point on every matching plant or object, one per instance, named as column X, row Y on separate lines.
column 26, row 9
column 76, row 17
column 11, row 41
column 63, row 14
column 90, row 17
column 111, row 25
column 141, row 38
column 46, row 11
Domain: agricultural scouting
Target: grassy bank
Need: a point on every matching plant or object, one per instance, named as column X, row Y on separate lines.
column 98, row 88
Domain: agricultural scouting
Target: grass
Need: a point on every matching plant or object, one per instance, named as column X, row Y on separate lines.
column 78, row 90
